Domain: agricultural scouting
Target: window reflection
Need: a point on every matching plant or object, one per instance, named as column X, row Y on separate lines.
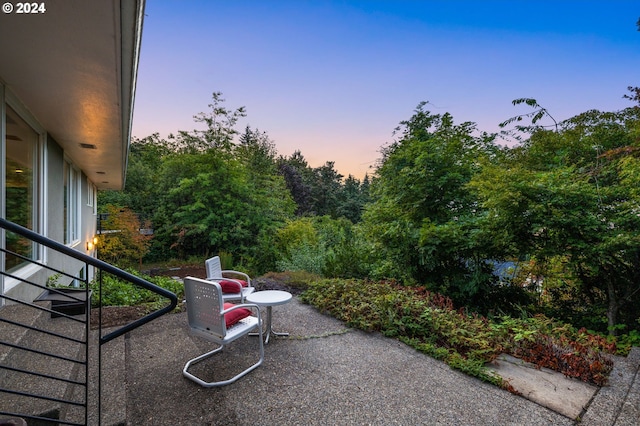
column 21, row 143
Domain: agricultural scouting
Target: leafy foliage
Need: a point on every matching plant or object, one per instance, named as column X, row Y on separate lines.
column 121, row 241
column 569, row 199
column 116, row 292
column 536, row 115
column 321, row 245
column 448, row 204
column 321, row 191
column 422, row 220
column 445, row 205
column 429, row 322
column 204, row 192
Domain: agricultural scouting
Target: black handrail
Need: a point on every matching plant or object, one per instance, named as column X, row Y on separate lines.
column 27, row 233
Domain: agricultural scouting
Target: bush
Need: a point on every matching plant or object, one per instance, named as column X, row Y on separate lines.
column 323, row 246
column 117, row 292
column 347, row 258
column 124, row 245
column 428, row 322
column 304, row 257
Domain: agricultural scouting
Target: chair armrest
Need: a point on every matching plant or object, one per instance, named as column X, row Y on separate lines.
column 251, row 306
column 238, row 273
column 228, row 279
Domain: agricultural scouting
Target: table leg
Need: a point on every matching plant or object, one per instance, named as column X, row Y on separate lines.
column 269, row 329
column 268, row 332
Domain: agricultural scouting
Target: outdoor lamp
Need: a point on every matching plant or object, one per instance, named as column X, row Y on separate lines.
column 92, row 243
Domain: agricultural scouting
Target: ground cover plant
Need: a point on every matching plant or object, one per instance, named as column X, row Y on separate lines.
column 422, row 319
column 117, row 292
column 431, row 324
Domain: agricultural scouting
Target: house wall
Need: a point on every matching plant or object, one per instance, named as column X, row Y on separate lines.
column 54, row 217
column 51, row 217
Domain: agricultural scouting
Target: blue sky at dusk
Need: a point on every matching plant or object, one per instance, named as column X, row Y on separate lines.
column 334, row 78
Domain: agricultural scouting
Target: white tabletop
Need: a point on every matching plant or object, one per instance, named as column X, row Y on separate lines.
column 269, row 297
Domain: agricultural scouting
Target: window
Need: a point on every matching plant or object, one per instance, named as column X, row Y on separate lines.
column 71, row 204
column 92, row 196
column 21, row 176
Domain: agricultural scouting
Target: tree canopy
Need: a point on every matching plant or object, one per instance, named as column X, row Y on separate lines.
column 219, row 190
column 550, row 223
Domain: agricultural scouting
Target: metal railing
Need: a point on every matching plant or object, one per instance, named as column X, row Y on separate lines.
column 45, row 357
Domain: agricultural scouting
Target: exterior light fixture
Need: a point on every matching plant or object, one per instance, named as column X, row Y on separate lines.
column 91, row 244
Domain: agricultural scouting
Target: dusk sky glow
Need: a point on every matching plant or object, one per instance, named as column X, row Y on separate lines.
column 334, row 78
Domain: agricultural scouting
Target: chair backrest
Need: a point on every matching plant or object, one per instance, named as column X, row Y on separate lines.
column 214, row 267
column 204, row 308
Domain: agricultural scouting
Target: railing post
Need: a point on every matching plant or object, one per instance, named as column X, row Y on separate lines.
column 100, row 268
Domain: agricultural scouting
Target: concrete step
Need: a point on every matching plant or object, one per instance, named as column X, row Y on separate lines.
column 112, row 410
column 546, row 387
column 58, row 366
column 618, row 402
column 630, row 412
column 22, row 315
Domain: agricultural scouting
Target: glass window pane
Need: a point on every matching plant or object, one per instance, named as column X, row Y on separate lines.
column 71, row 204
column 67, row 167
column 21, row 143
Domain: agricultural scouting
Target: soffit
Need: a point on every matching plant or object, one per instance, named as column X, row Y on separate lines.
column 74, row 68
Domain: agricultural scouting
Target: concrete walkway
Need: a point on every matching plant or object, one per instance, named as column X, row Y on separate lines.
column 326, row 374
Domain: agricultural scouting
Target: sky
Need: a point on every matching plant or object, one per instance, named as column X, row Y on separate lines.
column 334, row 78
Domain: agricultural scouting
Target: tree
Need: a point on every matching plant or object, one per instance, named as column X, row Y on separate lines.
column 326, row 190
column 122, row 242
column 351, row 201
column 536, row 115
column 220, row 128
column 271, row 203
column 297, row 176
column 421, row 217
column 206, row 193
column 568, row 199
column 635, row 94
column 257, row 152
column 143, row 181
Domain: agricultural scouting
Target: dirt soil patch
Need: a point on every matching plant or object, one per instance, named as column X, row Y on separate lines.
column 113, row 316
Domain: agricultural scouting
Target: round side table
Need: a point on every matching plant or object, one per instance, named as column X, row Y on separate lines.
column 269, row 299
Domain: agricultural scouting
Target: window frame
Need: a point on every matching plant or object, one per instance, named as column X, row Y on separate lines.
column 72, row 203
column 7, row 99
column 92, row 196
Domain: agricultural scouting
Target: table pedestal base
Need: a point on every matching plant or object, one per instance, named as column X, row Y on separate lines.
column 270, row 329
column 269, row 299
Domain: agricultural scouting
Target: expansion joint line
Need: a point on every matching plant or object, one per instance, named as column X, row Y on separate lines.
column 319, row 336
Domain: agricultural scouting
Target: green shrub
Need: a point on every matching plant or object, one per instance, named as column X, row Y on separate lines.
column 347, row 259
column 626, row 341
column 428, row 322
column 323, row 246
column 117, row 292
column 303, row 257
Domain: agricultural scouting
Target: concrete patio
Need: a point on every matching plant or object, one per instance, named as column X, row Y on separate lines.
column 323, row 374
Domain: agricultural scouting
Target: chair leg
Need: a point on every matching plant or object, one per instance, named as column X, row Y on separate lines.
column 202, row 357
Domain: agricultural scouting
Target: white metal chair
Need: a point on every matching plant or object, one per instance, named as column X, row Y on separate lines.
column 216, row 273
column 206, row 316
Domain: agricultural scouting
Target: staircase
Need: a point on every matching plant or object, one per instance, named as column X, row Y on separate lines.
column 52, row 361
column 43, row 365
